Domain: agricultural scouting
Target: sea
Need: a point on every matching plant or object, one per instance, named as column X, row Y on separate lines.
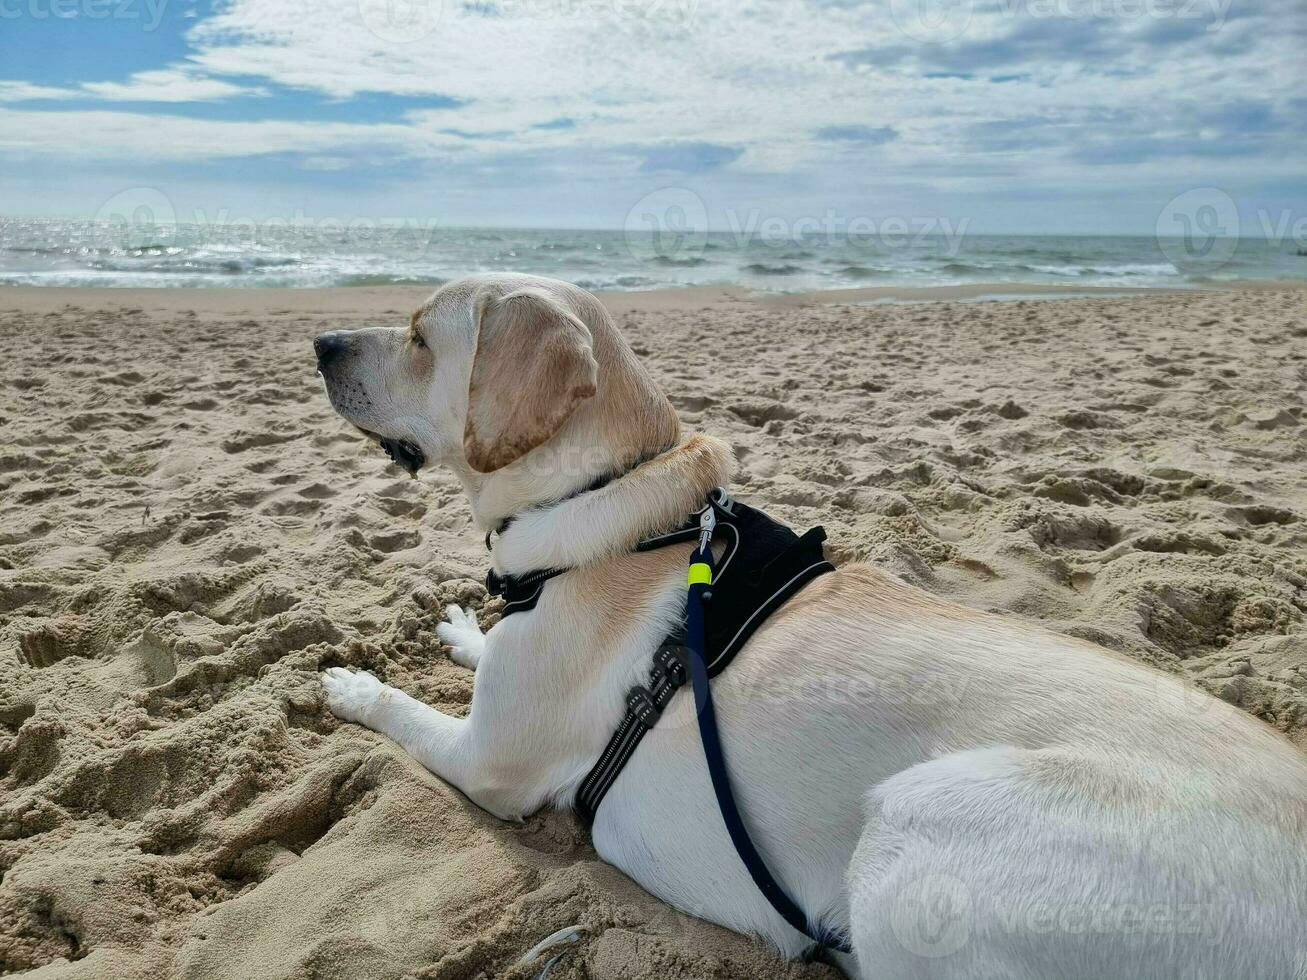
column 49, row 252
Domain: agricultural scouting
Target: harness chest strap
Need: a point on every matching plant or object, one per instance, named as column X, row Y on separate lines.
column 763, row 564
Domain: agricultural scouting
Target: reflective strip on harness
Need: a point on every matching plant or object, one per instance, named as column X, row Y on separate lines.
column 762, row 564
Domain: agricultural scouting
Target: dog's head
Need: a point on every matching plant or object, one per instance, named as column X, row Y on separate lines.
column 493, row 369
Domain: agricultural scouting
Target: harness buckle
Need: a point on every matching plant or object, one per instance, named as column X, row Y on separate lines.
column 670, row 662
column 642, row 705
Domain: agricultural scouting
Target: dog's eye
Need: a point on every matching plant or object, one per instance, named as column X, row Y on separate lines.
column 417, row 339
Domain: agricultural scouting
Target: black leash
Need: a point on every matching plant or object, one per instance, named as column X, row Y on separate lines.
column 700, row 592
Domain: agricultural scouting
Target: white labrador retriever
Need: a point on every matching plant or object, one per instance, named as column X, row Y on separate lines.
column 962, row 795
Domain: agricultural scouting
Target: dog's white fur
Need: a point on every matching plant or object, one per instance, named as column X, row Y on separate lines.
column 964, row 795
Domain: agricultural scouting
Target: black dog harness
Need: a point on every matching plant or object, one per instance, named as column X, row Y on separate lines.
column 762, row 565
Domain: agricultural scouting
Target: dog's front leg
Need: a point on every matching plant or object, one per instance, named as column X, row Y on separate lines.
column 460, row 751
column 436, row 740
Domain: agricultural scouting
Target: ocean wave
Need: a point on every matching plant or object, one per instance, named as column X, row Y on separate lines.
column 862, row 272
column 45, row 252
column 761, row 269
column 1050, row 270
column 382, row 279
column 190, row 265
column 32, row 250
column 621, row 282
column 1124, row 270
column 964, row 268
column 668, row 262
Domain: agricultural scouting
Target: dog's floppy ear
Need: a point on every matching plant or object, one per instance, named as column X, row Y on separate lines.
column 534, row 364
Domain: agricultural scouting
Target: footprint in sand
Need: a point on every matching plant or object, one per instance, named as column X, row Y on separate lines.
column 292, row 508
column 1257, row 515
column 759, row 413
column 392, row 541
column 243, row 441
column 49, row 643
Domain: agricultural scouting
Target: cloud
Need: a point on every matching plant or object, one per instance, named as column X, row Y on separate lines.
column 167, row 85
column 118, row 135
column 561, row 123
column 14, row 91
column 690, row 158
column 463, row 134
column 163, row 85
column 770, row 97
column 857, row 134
column 1126, row 151
column 1050, row 41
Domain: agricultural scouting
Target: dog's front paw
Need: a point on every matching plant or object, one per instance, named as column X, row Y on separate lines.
column 464, row 636
column 352, row 695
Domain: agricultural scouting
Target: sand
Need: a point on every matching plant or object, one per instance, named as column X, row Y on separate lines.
column 188, row 535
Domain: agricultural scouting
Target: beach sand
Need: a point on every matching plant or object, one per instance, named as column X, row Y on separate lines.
column 188, row 535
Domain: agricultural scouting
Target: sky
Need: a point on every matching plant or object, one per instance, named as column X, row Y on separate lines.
column 1045, row 116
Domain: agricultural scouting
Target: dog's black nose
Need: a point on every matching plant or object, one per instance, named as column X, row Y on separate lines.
column 328, row 346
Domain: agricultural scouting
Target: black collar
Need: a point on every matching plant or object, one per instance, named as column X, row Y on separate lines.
column 522, row 591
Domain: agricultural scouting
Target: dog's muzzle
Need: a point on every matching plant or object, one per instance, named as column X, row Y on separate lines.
column 348, row 398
